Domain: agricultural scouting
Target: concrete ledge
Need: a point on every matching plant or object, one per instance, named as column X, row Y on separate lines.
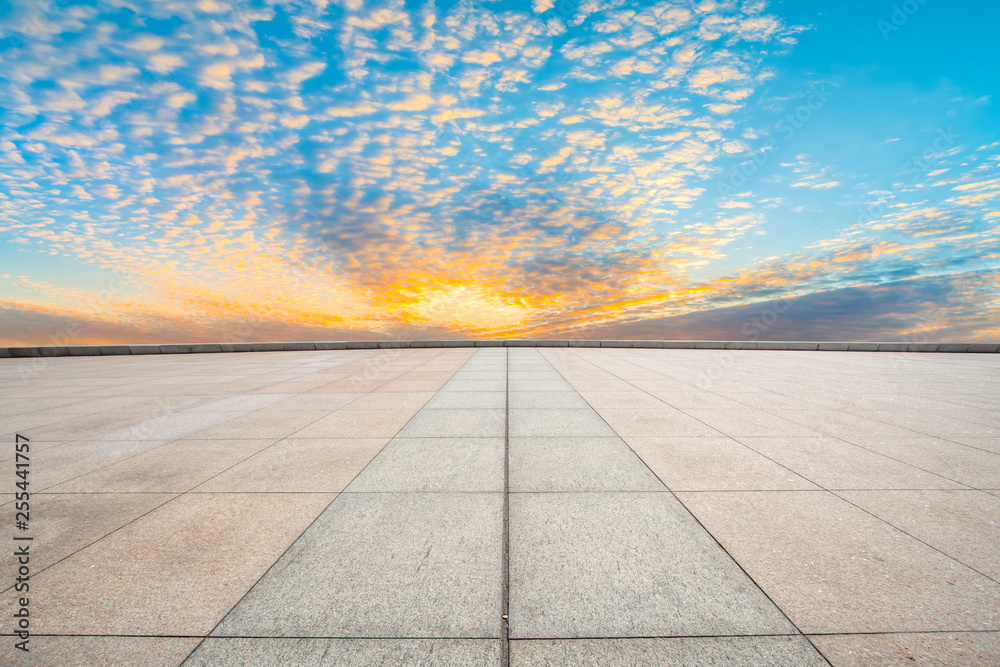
column 115, row 349
column 23, row 352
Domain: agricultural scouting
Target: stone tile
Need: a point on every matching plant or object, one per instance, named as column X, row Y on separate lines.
column 384, row 565
column 624, row 564
column 455, row 424
column 472, row 400
column 520, row 400
column 358, row 424
column 239, row 403
column 64, row 462
column 713, row 464
column 175, row 467
column 475, row 385
column 834, row 568
column 693, row 651
column 634, row 399
column 65, row 523
column 391, row 401
column 749, row 422
column 577, row 464
column 175, row 571
column 299, row 464
column 967, row 465
column 937, row 649
column 539, row 385
column 963, row 524
column 561, row 422
column 357, row 652
column 169, row 425
column 664, row 422
column 835, row 464
column 435, row 464
column 262, row 424
column 89, row 651
column 843, row 425
column 327, row 402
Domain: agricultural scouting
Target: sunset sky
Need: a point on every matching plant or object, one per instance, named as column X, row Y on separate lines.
column 185, row 170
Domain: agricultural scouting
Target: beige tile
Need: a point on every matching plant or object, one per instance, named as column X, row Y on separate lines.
column 664, row 422
column 834, row 568
column 300, row 464
column 358, row 424
column 62, row 524
column 713, row 464
column 963, row 524
column 92, row 651
column 968, row 465
column 58, row 464
column 175, row 467
column 327, row 402
column 271, row 423
column 391, row 401
column 176, row 571
column 920, row 650
column 835, row 464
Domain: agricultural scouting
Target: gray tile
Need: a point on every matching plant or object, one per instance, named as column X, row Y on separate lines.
column 624, row 565
column 564, row 422
column 577, row 464
column 435, row 464
column 455, row 424
column 688, row 651
column 547, row 399
column 475, row 385
column 456, row 400
column 384, row 565
column 540, row 385
column 360, row 652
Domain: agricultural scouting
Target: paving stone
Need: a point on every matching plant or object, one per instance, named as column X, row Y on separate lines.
column 435, row 464
column 654, row 652
column 357, row 652
column 384, row 565
column 939, row 648
column 577, row 464
column 624, row 565
column 834, row 568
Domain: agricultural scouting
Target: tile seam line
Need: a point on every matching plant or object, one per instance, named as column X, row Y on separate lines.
column 522, row 639
column 306, row 529
column 692, row 514
column 505, row 561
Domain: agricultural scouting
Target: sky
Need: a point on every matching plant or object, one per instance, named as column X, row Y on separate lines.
column 206, row 171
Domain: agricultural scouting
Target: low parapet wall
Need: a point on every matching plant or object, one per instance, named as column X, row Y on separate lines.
column 97, row 350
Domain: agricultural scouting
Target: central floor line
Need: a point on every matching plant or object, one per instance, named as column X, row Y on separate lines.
column 505, row 599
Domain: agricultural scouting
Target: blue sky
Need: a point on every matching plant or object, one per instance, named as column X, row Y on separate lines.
column 226, row 170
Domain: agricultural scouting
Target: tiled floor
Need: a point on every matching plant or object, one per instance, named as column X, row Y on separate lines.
column 508, row 505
